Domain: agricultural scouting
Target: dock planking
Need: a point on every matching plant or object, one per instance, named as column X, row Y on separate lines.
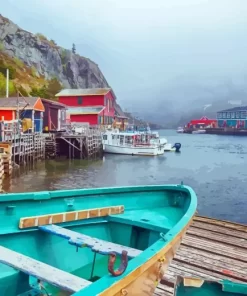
column 211, row 249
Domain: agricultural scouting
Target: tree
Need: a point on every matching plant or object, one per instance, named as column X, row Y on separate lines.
column 53, row 87
column 73, row 48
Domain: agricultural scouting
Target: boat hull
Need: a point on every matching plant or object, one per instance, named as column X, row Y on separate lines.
column 79, row 230
column 144, row 280
column 138, row 150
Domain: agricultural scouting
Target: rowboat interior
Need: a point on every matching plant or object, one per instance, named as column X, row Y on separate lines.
column 81, row 242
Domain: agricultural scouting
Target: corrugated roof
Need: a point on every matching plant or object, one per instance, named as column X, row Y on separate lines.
column 239, row 108
column 11, row 103
column 85, row 110
column 83, row 92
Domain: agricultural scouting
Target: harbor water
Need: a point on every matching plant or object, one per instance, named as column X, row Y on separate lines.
column 214, row 166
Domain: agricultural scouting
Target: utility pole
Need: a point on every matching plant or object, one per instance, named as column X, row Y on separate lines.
column 7, row 83
column 18, row 115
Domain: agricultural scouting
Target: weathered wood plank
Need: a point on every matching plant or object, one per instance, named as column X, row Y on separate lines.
column 57, row 218
column 226, row 224
column 219, row 229
column 236, row 265
column 42, row 271
column 214, row 247
column 209, row 261
column 82, row 240
column 218, row 237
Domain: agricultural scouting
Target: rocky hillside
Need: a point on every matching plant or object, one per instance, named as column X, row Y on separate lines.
column 34, row 60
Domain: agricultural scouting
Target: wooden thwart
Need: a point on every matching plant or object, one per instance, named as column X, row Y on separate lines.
column 81, row 240
column 42, row 271
column 69, row 216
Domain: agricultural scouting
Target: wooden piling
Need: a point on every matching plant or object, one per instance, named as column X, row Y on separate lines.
column 85, row 144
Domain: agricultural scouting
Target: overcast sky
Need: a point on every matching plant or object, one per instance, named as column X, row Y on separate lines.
column 158, row 50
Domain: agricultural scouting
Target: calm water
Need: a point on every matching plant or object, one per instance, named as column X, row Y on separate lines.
column 214, row 166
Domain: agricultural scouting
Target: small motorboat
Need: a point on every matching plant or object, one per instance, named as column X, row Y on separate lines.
column 66, row 242
column 198, row 287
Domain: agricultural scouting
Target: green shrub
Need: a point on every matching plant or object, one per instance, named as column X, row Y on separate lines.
column 1, row 46
column 18, row 62
column 12, row 89
column 33, row 71
column 23, row 91
column 63, row 56
column 41, row 37
column 3, row 70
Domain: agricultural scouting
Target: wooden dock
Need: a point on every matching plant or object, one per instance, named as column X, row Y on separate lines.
column 212, row 249
column 81, row 142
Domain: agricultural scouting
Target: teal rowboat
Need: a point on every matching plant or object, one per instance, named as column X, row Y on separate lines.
column 67, row 242
column 199, row 287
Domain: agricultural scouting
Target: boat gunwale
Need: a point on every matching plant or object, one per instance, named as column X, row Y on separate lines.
column 45, row 195
column 145, row 259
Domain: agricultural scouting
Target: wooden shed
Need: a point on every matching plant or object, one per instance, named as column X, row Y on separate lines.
column 20, row 108
column 54, row 115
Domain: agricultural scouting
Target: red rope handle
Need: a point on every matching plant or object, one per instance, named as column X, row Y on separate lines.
column 123, row 265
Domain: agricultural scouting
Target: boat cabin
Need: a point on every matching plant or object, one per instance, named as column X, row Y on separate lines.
column 126, row 139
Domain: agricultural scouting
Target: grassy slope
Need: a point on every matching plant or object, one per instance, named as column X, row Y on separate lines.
column 24, row 77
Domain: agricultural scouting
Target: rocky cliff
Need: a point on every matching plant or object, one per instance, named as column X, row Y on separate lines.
column 47, row 60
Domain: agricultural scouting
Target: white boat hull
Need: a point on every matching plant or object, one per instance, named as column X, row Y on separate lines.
column 138, row 150
column 169, row 147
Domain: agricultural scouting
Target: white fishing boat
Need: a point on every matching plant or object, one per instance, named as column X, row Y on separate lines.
column 130, row 143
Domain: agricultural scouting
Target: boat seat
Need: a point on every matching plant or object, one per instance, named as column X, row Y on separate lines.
column 69, row 216
column 42, row 271
column 81, row 240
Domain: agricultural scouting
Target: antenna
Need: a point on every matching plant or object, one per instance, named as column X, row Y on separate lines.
column 7, row 83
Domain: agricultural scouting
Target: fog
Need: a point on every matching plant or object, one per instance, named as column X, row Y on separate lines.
column 157, row 55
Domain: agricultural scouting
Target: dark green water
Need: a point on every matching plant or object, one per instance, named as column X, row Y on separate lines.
column 215, row 166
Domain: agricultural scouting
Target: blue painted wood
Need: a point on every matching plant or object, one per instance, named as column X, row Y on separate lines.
column 81, row 240
column 42, row 271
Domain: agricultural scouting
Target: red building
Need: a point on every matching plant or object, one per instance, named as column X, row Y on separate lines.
column 54, row 118
column 95, row 105
column 203, row 122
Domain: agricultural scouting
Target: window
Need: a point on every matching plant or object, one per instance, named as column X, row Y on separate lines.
column 228, row 115
column 104, row 137
column 121, row 140
column 79, row 100
column 224, row 115
column 219, row 115
column 232, row 115
column 237, row 114
column 108, row 106
column 243, row 114
column 99, row 119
